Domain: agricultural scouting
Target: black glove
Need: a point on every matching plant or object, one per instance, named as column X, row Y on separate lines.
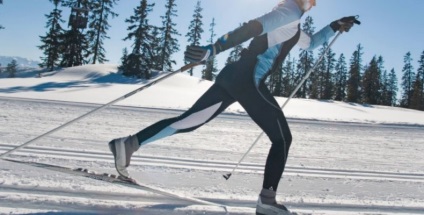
column 344, row 24
column 195, row 54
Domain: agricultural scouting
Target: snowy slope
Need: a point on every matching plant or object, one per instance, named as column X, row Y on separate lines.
column 100, row 84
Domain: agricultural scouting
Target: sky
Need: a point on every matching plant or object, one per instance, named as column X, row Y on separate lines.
column 390, row 28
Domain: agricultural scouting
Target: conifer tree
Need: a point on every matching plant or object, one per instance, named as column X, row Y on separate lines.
column 371, row 83
column 289, row 72
column 12, row 69
column 328, row 75
column 123, row 59
column 384, row 89
column 354, row 80
column 418, row 94
column 408, row 79
column 392, row 88
column 317, row 77
column 156, row 46
column 306, row 60
column 340, row 79
column 99, row 24
column 74, row 48
column 275, row 80
column 52, row 41
column 321, row 82
column 139, row 62
column 383, row 81
column 75, row 45
column 211, row 69
column 194, row 34
column 170, row 43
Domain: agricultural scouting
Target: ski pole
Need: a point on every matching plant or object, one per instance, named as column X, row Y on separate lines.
column 227, row 176
column 182, row 69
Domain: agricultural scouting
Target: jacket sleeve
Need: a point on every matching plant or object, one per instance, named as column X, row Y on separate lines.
column 284, row 14
column 310, row 42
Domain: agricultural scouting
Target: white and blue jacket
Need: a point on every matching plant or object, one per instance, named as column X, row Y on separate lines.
column 274, row 34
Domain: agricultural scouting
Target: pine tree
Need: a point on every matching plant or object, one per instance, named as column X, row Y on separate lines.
column 340, row 79
column 383, row 81
column 371, row 83
column 194, row 34
column 275, row 80
column 289, row 71
column 124, row 59
column 321, row 82
column 281, row 82
column 156, row 48
column 100, row 13
column 12, row 69
column 317, row 77
column 170, row 43
column 407, row 81
column 354, row 80
column 328, row 75
column 139, row 62
column 384, row 99
column 52, row 40
column 210, row 71
column 392, row 88
column 75, row 45
column 305, row 62
column 74, row 48
column 418, row 94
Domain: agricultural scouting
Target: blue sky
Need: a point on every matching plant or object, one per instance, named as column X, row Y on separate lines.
column 389, row 27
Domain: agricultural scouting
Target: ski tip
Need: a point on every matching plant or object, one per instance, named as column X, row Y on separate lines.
column 227, row 176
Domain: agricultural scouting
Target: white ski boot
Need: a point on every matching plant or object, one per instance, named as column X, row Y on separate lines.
column 267, row 205
column 122, row 150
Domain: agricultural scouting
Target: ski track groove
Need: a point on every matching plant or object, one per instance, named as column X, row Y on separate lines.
column 213, row 165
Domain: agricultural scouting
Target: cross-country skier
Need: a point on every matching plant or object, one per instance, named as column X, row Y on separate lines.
column 274, row 35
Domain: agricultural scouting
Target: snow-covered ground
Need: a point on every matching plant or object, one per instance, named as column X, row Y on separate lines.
column 345, row 158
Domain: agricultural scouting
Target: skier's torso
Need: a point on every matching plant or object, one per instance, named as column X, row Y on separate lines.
column 281, row 32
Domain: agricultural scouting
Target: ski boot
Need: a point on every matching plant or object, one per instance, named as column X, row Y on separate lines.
column 267, row 205
column 122, row 150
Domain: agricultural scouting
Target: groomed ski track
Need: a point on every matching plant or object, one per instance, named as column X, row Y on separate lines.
column 218, row 166
column 171, row 164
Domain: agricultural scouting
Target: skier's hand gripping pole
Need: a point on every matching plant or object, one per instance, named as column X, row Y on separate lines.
column 227, row 176
column 182, row 69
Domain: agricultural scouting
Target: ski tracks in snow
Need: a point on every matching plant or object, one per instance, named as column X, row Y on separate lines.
column 218, row 166
column 191, row 171
column 60, row 199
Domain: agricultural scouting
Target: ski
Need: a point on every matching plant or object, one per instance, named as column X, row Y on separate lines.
column 114, row 179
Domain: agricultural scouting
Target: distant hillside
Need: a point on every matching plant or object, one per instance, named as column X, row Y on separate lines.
column 22, row 62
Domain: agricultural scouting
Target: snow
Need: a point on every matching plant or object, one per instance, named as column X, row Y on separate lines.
column 345, row 159
column 100, row 84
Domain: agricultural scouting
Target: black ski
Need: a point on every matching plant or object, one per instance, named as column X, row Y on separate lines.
column 114, row 179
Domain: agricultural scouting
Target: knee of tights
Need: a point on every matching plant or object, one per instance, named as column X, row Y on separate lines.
column 282, row 142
